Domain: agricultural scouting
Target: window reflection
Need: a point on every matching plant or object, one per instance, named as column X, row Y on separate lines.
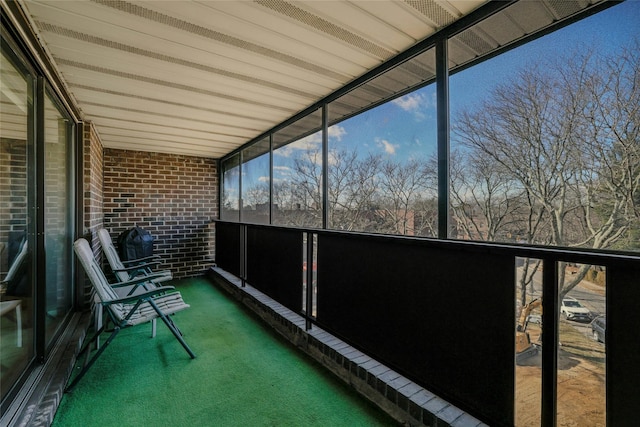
column 256, row 183
column 58, row 223
column 297, row 173
column 382, row 171
column 16, row 285
column 230, row 208
column 541, row 136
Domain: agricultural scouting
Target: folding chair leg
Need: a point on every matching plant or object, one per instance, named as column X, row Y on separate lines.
column 174, row 330
column 98, row 319
column 95, row 337
column 90, row 363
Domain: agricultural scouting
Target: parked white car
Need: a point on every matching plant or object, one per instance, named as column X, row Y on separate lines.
column 571, row 309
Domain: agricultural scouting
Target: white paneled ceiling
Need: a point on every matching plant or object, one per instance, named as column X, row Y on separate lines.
column 204, row 77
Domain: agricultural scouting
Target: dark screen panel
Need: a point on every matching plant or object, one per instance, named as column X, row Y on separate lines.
column 622, row 343
column 228, row 247
column 444, row 318
column 274, row 264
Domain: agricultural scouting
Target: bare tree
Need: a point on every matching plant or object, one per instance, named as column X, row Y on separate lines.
column 306, row 186
column 567, row 133
column 488, row 205
column 484, row 199
column 352, row 187
column 401, row 185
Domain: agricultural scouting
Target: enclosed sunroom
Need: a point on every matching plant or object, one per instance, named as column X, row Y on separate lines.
column 411, row 192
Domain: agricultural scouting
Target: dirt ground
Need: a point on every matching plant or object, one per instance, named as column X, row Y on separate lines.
column 581, row 382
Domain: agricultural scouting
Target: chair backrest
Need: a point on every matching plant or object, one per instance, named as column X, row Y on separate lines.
column 96, row 275
column 17, row 262
column 112, row 255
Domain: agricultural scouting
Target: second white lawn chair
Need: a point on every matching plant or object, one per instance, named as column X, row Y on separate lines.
column 126, row 311
column 126, row 270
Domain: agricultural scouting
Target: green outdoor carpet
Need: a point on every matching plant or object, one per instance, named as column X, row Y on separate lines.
column 244, row 375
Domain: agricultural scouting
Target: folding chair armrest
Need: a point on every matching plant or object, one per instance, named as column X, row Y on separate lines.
column 134, row 298
column 139, row 280
column 138, row 266
column 154, row 258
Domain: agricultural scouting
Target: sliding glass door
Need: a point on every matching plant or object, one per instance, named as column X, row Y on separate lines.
column 16, row 223
column 37, row 194
column 58, row 205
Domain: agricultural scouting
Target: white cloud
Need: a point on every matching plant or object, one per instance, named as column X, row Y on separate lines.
column 388, row 147
column 263, row 179
column 411, row 102
column 337, row 132
column 282, row 171
column 311, row 142
column 416, row 103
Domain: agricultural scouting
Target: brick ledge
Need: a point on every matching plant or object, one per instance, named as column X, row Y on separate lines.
column 405, row 401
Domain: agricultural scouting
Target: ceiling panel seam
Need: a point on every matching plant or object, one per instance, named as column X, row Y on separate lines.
column 143, row 135
column 164, row 101
column 169, row 116
column 335, row 31
column 221, row 37
column 165, row 83
column 65, row 32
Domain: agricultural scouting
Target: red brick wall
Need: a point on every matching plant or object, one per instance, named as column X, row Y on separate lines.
column 175, row 197
column 93, row 180
column 13, row 194
column 92, row 193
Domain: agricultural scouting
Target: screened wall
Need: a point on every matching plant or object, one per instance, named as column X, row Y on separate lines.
column 530, row 139
column 509, row 130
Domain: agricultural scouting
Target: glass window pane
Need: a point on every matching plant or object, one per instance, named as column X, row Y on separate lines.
column 297, row 173
column 16, row 245
column 382, row 170
column 542, row 149
column 230, row 208
column 256, row 183
column 58, row 223
column 408, row 75
column 541, row 135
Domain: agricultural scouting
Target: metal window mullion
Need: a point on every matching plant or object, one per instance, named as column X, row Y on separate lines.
column 442, row 93
column 309, row 278
column 78, row 210
column 40, row 253
column 240, row 203
column 243, row 254
column 325, row 166
column 270, row 178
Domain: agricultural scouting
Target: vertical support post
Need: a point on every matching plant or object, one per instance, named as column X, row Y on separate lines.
column 309, row 278
column 550, row 332
column 325, row 166
column 39, row 215
column 240, row 202
column 442, row 92
column 79, row 191
column 271, row 178
column 243, row 254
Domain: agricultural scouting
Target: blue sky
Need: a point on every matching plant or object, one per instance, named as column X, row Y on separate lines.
column 406, row 127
